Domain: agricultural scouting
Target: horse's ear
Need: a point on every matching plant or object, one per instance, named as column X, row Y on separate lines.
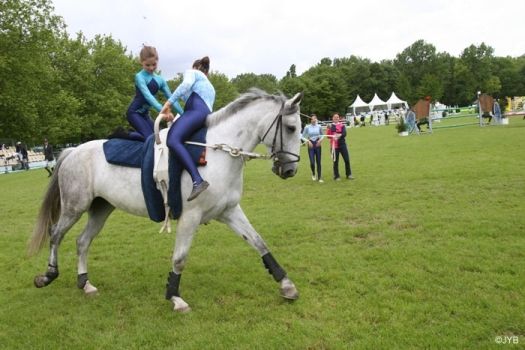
column 297, row 98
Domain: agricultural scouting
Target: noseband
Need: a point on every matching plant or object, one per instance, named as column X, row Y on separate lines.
column 278, row 121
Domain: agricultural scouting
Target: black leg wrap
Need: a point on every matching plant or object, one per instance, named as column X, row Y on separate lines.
column 273, row 267
column 81, row 280
column 172, row 288
column 51, row 273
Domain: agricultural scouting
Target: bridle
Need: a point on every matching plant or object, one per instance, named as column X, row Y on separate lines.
column 278, row 122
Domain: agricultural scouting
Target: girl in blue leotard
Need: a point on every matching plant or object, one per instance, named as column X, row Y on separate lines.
column 199, row 95
column 147, row 84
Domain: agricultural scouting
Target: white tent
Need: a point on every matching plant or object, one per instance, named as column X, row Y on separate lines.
column 359, row 105
column 395, row 102
column 377, row 103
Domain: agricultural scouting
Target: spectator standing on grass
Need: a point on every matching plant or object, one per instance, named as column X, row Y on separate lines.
column 337, row 133
column 313, row 135
column 49, row 158
column 25, row 157
column 18, row 151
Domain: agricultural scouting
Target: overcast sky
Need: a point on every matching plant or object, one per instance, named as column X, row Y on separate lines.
column 268, row 36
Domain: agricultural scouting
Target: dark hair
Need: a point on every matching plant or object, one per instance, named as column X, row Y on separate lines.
column 202, row 64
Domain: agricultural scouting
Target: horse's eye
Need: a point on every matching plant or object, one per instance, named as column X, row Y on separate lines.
column 291, row 128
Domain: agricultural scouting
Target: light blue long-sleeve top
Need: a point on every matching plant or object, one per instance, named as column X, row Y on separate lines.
column 147, row 85
column 194, row 81
column 313, row 132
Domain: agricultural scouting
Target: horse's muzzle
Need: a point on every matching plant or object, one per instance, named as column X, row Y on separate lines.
column 284, row 171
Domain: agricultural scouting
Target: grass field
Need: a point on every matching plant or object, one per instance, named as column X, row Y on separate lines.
column 425, row 249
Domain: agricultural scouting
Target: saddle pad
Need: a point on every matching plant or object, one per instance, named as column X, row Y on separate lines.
column 152, row 196
column 124, row 152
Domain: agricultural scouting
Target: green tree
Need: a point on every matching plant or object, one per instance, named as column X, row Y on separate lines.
column 324, row 90
column 225, row 91
column 28, row 32
column 266, row 82
column 415, row 62
column 111, row 87
column 478, row 60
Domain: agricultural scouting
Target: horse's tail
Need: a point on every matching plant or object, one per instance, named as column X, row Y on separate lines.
column 49, row 211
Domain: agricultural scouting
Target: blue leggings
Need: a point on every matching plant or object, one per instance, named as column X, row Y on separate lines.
column 142, row 123
column 314, row 154
column 193, row 118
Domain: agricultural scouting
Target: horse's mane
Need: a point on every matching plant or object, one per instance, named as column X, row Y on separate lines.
column 241, row 102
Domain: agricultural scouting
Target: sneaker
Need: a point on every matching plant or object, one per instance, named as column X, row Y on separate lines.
column 350, row 177
column 198, row 189
column 337, row 179
column 321, row 181
column 314, row 178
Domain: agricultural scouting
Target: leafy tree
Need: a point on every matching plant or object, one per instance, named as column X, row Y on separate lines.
column 290, row 86
column 291, row 72
column 266, row 82
column 225, row 91
column 28, row 32
column 111, row 87
column 430, row 86
column 414, row 63
column 324, row 90
column 478, row 61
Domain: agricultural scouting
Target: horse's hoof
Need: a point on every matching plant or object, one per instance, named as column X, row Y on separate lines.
column 90, row 289
column 179, row 305
column 288, row 290
column 40, row 281
column 290, row 293
column 183, row 310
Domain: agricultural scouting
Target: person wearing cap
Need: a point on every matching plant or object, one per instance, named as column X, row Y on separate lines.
column 49, row 158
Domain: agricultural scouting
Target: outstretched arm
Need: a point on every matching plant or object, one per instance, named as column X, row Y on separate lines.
column 184, row 87
column 140, row 82
column 166, row 91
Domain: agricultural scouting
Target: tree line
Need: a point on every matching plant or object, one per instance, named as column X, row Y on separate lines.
column 71, row 90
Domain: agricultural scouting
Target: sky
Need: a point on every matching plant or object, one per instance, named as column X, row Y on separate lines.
column 267, row 37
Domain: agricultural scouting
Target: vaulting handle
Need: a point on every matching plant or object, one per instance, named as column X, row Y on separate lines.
column 156, row 128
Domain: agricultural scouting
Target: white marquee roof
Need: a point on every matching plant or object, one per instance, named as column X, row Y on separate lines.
column 359, row 103
column 395, row 101
column 377, row 102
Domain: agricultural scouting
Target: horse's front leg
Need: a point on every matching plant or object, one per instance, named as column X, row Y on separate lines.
column 237, row 220
column 186, row 227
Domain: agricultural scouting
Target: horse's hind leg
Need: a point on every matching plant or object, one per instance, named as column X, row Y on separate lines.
column 98, row 213
column 58, row 231
column 239, row 223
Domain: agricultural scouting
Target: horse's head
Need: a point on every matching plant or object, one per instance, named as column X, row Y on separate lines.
column 283, row 138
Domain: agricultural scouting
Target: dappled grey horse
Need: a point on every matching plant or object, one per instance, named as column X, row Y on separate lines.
column 84, row 182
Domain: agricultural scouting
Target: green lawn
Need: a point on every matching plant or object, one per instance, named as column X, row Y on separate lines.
column 425, row 249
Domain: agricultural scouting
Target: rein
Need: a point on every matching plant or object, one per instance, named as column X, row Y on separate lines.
column 232, row 151
column 238, row 152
